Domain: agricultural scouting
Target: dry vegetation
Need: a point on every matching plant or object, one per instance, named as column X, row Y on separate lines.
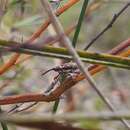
column 64, row 65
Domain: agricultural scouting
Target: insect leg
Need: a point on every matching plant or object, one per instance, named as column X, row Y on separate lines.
column 56, row 79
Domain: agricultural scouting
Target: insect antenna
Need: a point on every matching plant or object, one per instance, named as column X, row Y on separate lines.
column 47, row 71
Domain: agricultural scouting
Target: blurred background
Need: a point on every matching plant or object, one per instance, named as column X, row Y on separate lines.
column 20, row 18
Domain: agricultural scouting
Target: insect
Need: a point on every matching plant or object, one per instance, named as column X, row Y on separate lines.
column 64, row 71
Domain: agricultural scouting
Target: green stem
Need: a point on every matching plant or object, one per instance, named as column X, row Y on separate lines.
column 88, row 60
column 55, row 107
column 85, row 4
column 49, row 51
column 3, row 124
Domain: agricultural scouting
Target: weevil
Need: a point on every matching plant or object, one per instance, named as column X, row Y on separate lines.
column 64, row 71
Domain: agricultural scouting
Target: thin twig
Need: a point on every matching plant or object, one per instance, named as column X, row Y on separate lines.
column 70, row 117
column 115, row 1
column 15, row 107
column 115, row 17
column 26, row 108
